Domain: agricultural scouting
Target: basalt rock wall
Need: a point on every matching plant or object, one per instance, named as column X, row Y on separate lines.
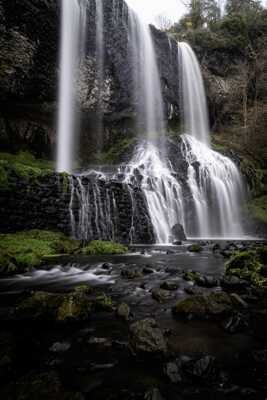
column 29, row 71
column 53, row 201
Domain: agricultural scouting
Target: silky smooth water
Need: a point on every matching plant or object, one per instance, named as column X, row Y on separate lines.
column 162, row 191
column 147, row 94
column 217, row 191
column 73, row 16
column 193, row 97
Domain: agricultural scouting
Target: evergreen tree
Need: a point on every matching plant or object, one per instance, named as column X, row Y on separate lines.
column 242, row 6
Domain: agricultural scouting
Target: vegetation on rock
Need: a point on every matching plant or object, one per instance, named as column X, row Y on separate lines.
column 98, row 247
column 23, row 164
column 248, row 265
column 25, row 250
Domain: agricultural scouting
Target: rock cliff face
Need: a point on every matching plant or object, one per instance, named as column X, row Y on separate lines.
column 29, row 68
column 110, row 211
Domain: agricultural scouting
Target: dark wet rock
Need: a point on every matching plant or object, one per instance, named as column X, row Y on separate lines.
column 161, row 295
column 195, row 248
column 170, row 285
column 177, row 243
column 233, row 283
column 172, row 371
column 194, row 290
column 7, row 352
column 153, row 394
column 264, row 271
column 178, row 233
column 216, row 248
column 206, row 281
column 131, row 274
column 107, row 266
column 102, row 341
column 260, row 356
column 147, row 338
column 60, row 347
column 147, row 270
column 238, row 301
column 42, row 305
column 123, row 311
column 203, row 368
column 236, row 323
column 210, row 305
column 39, row 386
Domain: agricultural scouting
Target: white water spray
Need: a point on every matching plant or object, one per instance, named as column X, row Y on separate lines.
column 162, row 191
column 73, row 17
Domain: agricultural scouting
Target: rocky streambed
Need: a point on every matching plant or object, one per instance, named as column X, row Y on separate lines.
column 156, row 323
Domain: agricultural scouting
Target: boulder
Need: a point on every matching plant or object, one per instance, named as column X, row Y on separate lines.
column 216, row 304
column 178, row 233
column 123, row 311
column 161, row 295
column 146, row 338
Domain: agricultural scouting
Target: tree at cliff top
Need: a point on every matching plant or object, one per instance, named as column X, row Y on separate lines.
column 242, row 6
column 200, row 13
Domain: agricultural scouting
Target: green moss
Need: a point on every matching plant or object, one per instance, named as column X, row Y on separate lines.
column 258, row 208
column 247, row 265
column 195, row 248
column 75, row 306
column 191, row 276
column 23, row 165
column 40, row 305
column 71, row 306
column 103, row 247
column 103, row 302
column 114, row 153
column 214, row 304
column 25, row 250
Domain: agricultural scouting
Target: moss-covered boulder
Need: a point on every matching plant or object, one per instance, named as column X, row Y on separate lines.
column 191, row 276
column 247, row 265
column 195, row 248
column 26, row 250
column 98, row 247
column 204, row 306
column 74, row 306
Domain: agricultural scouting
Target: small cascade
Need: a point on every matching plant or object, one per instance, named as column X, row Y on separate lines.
column 162, row 191
column 73, row 17
column 147, row 96
column 217, row 191
column 104, row 207
column 193, row 97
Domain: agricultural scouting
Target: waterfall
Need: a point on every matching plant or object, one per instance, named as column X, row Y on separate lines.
column 147, row 94
column 99, row 71
column 193, row 98
column 214, row 181
column 73, row 17
column 217, row 191
column 162, row 191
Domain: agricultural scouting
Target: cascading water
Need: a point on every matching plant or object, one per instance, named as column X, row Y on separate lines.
column 217, row 191
column 73, row 16
column 162, row 191
column 193, row 98
column 214, row 181
column 147, row 94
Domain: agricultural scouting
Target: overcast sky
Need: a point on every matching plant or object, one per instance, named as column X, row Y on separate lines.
column 150, row 9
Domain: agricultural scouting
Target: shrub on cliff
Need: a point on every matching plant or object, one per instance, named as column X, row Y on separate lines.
column 98, row 247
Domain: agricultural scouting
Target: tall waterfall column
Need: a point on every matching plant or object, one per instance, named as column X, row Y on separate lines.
column 73, row 14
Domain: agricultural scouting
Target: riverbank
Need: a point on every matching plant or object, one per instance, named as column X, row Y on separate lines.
column 155, row 323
